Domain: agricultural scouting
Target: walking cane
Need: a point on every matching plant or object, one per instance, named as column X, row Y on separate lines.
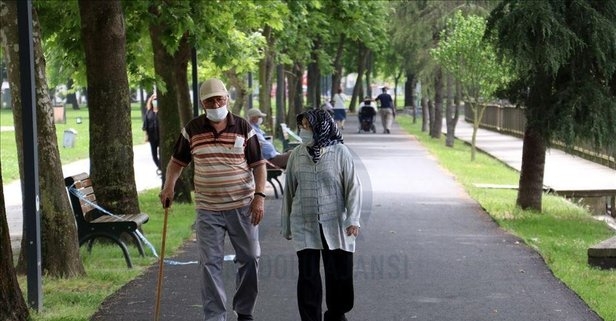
column 161, row 264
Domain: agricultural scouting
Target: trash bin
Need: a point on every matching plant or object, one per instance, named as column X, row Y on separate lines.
column 70, row 135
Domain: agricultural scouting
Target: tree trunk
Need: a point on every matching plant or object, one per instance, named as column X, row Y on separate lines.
column 437, row 120
column 409, row 94
column 314, row 76
column 450, row 114
column 296, row 98
column 184, row 103
column 530, row 191
column 396, row 83
column 111, row 142
column 11, row 298
column 368, row 81
column 180, row 69
column 361, row 68
column 169, row 112
column 337, row 77
column 425, row 114
column 241, row 90
column 266, row 73
column 60, row 248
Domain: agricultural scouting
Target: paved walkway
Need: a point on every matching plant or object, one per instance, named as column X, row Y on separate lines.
column 564, row 173
column 426, row 252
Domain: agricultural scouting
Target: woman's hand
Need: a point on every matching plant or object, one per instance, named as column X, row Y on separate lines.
column 352, row 230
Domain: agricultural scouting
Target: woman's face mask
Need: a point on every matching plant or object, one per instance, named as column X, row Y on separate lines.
column 260, row 121
column 217, row 114
column 307, row 136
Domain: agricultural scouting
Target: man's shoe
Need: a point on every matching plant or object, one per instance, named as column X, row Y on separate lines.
column 244, row 317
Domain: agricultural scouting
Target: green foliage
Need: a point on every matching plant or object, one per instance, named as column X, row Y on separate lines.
column 464, row 53
column 61, row 36
column 564, row 55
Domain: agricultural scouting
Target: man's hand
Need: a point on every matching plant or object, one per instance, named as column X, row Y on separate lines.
column 166, row 198
column 257, row 209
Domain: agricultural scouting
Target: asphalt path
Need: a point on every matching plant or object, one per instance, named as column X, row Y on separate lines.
column 426, row 251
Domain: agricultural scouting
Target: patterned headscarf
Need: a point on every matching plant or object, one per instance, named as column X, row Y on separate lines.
column 324, row 130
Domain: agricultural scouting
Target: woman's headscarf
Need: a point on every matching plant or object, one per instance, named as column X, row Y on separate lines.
column 324, row 131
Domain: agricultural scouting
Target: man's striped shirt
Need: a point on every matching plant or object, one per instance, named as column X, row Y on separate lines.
column 223, row 162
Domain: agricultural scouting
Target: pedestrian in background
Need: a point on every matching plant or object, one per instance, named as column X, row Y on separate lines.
column 339, row 108
column 320, row 213
column 268, row 150
column 386, row 110
column 229, row 175
column 150, row 127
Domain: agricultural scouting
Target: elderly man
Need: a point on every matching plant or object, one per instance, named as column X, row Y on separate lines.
column 268, row 150
column 229, row 183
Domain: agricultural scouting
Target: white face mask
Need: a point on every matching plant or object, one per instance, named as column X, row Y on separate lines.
column 217, row 114
column 307, row 137
column 260, row 121
column 155, row 103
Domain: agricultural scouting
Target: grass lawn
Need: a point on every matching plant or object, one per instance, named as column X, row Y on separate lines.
column 79, row 298
column 8, row 151
column 562, row 233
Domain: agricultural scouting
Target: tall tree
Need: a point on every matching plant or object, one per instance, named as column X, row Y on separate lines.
column 111, row 143
column 166, row 61
column 564, row 56
column 60, row 248
column 463, row 52
column 11, row 299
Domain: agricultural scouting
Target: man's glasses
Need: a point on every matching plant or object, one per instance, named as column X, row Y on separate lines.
column 215, row 99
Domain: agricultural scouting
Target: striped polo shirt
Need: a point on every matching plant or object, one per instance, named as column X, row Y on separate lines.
column 223, row 162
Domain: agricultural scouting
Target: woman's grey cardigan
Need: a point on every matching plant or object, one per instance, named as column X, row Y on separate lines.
column 327, row 192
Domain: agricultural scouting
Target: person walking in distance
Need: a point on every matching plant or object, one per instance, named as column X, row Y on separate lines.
column 339, row 109
column 386, row 110
column 229, row 175
column 150, row 127
column 320, row 213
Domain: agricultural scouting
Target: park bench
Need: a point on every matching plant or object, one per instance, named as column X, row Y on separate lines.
column 273, row 172
column 286, row 135
column 289, row 140
column 95, row 222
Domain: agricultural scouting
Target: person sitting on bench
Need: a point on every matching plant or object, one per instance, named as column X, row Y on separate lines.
column 268, row 150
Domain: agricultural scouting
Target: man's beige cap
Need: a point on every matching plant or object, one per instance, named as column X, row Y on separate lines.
column 211, row 88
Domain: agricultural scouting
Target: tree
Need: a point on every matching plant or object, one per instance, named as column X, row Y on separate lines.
column 166, row 63
column 60, row 248
column 11, row 298
column 564, row 58
column 463, row 52
column 111, row 145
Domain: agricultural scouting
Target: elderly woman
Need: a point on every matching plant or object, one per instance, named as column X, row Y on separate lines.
column 320, row 213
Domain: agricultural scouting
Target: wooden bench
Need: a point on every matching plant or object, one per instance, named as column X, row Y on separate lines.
column 286, row 135
column 93, row 222
column 273, row 172
column 603, row 254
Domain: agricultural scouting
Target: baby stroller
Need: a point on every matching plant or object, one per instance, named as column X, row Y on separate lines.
column 367, row 115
